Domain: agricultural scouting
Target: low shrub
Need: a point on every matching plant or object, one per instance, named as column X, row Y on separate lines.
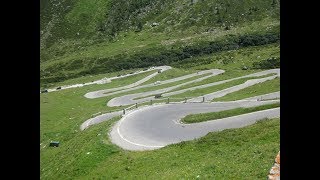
column 270, row 63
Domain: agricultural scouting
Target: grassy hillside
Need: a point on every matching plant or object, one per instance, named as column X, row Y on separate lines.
column 62, row 112
column 76, row 19
column 232, row 154
column 80, row 37
column 86, row 40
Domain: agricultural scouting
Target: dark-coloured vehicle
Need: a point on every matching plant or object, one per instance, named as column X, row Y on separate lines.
column 158, row 96
column 54, row 144
column 58, row 87
column 44, row 91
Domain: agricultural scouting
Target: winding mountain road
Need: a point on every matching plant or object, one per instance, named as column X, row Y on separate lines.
column 112, row 91
column 109, row 80
column 131, row 98
column 155, row 126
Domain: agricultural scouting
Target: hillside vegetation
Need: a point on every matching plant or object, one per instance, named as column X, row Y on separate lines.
column 80, row 37
column 246, row 152
column 86, row 40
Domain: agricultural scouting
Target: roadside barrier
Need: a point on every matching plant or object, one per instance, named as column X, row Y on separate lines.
column 152, row 102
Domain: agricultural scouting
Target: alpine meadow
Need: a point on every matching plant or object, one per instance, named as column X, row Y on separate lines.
column 161, row 89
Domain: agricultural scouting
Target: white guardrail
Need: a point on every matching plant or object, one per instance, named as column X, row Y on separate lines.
column 152, row 101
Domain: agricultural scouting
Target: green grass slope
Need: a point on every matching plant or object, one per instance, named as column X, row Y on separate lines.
column 76, row 19
column 230, row 154
column 80, row 37
column 62, row 112
column 85, row 40
column 195, row 118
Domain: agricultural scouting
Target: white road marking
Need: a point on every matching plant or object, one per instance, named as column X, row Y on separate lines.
column 137, row 144
column 122, row 141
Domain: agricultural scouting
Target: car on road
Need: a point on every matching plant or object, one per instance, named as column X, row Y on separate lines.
column 58, row 87
column 54, row 144
column 158, row 96
column 44, row 91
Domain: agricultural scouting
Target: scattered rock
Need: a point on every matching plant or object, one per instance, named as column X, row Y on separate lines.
column 278, row 158
column 274, row 173
column 154, row 24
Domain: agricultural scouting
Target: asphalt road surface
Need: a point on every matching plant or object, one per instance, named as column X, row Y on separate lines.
column 108, row 80
column 155, row 126
column 112, row 91
column 131, row 98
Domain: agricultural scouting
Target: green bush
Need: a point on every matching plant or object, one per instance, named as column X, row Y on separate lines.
column 162, row 56
column 256, row 39
column 270, row 63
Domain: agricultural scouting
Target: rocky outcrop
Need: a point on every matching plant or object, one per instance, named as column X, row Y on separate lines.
column 274, row 173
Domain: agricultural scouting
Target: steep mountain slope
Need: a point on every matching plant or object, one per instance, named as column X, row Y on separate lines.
column 80, row 37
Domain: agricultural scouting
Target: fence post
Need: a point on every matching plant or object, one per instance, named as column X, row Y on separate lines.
column 151, row 102
column 136, row 105
column 168, row 101
column 124, row 111
column 203, row 99
column 185, row 100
